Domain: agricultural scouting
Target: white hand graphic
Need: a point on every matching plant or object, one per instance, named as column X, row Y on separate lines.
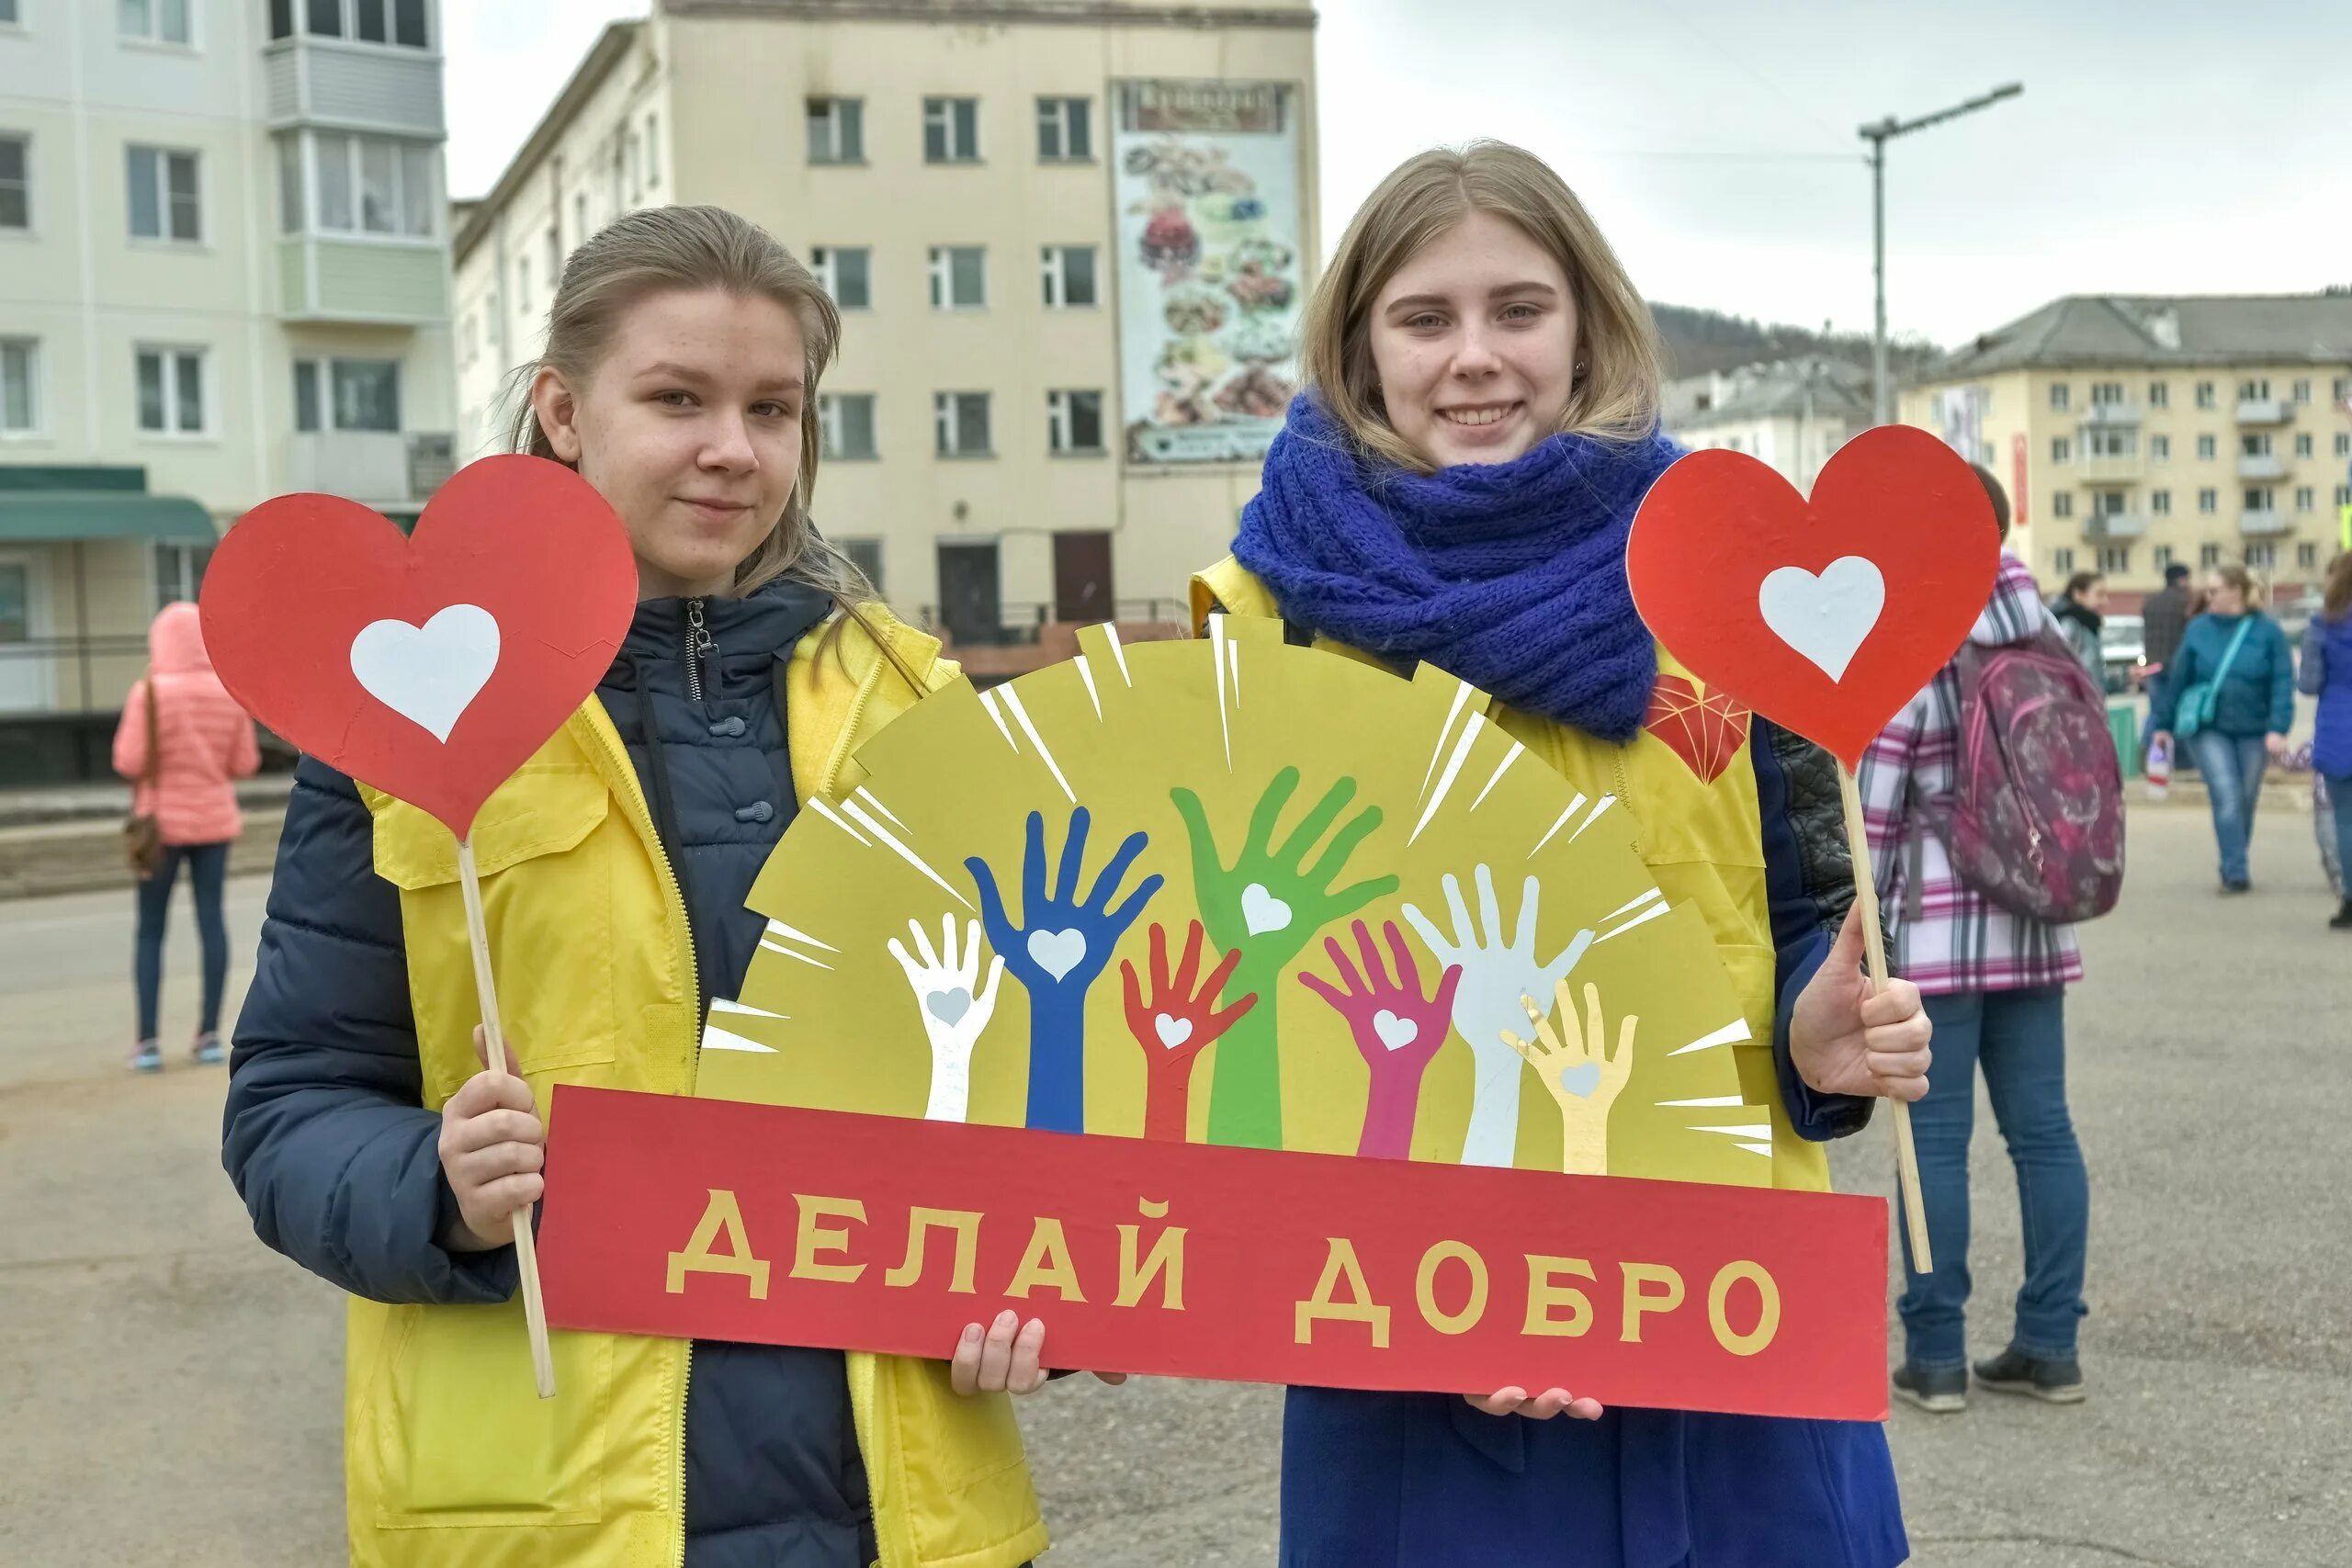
column 1495, row 975
column 955, row 1010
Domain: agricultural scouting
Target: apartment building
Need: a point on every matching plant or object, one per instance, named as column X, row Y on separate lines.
column 1791, row 413
column 1070, row 242
column 2134, row 433
column 223, row 276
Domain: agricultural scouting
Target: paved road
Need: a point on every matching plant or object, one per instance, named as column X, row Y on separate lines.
column 169, row 1392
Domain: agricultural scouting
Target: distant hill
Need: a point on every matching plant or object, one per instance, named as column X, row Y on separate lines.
column 1700, row 340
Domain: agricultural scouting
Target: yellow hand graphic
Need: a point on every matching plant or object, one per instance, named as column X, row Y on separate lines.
column 1585, row 1079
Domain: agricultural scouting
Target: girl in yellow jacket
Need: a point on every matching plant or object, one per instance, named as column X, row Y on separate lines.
column 684, row 352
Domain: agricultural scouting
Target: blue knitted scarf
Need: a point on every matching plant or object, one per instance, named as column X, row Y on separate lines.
column 1511, row 575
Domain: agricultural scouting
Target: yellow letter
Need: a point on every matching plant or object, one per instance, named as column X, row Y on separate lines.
column 1638, row 1301
column 1425, row 1288
column 921, row 1221
column 721, row 1216
column 1543, row 1294
column 1340, row 1262
column 1046, row 1262
column 1167, row 1255
column 816, row 1238
column 1768, row 1316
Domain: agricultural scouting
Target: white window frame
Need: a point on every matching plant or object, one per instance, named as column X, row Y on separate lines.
column 2261, row 555
column 2255, row 389
column 1053, row 117
column 163, row 198
column 2209, row 499
column 2160, row 448
column 653, row 151
column 2061, row 395
column 2160, row 503
column 837, row 117
column 2344, row 442
column 350, row 33
column 2061, row 505
column 317, row 147
column 2114, row 561
column 943, row 277
column 12, row 20
column 828, row 410
column 2062, row 561
column 29, row 351
column 323, row 367
column 2208, row 448
column 2259, row 498
column 1054, row 267
column 2204, row 394
column 187, row 567
column 825, row 262
column 2306, row 499
column 2303, row 443
column 2160, row 394
column 2306, row 554
column 23, row 141
column 2209, row 555
column 171, row 354
column 2302, row 390
column 1061, row 421
column 153, row 36
column 948, row 436
column 2343, row 495
column 2160, row 557
column 2105, row 393
column 943, row 112
column 2062, row 450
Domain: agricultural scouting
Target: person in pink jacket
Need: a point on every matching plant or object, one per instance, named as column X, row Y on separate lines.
column 202, row 742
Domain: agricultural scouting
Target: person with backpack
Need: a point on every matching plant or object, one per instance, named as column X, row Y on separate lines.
column 2231, row 695
column 1994, row 808
column 2326, row 673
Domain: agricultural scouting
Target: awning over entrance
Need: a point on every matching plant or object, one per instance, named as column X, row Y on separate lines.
column 45, row 504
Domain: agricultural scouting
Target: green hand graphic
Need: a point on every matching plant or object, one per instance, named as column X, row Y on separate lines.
column 1267, row 906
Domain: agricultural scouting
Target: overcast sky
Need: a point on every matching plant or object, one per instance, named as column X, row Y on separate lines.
column 2161, row 146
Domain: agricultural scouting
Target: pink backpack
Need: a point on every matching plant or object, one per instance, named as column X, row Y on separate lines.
column 2035, row 818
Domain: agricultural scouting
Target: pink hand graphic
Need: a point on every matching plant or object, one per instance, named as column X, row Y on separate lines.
column 1176, row 1025
column 1396, row 1028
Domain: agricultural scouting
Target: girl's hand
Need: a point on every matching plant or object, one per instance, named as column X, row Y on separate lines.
column 493, row 1145
column 1845, row 1041
column 1540, row 1407
column 1003, row 1359
column 2277, row 745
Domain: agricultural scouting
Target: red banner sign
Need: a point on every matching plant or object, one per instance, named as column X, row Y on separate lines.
column 723, row 1220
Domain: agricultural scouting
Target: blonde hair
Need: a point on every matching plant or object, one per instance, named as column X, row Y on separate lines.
column 2248, row 585
column 661, row 248
column 1616, row 396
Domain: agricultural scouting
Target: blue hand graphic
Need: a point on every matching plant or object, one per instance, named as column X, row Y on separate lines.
column 1058, row 953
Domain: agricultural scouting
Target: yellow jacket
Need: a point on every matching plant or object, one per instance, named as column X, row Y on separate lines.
column 451, row 1457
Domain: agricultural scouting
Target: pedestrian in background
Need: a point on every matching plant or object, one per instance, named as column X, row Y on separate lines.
column 1994, row 985
column 2081, row 611
column 2327, row 674
column 183, row 741
column 2230, row 696
column 2163, row 617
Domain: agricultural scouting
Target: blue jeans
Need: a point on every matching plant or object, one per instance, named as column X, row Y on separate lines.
column 206, row 865
column 2020, row 1038
column 2232, row 766
column 2339, row 802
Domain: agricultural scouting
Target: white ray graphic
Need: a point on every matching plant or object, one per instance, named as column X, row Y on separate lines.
column 1744, row 1129
column 1223, row 719
column 868, row 796
column 1452, row 772
column 1635, row 903
column 1086, row 674
column 1461, row 696
column 1704, row 1100
column 1513, row 755
column 1561, row 821
column 898, row 848
column 1111, row 635
column 1604, row 804
column 717, row 1039
column 1021, row 716
column 1764, row 1149
column 1730, row 1033
column 782, row 933
column 987, row 701
column 1233, row 653
column 830, row 814
column 778, row 948
column 720, row 1004
column 1645, row 918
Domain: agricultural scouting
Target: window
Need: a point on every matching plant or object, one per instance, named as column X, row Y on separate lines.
column 2160, row 503
column 19, row 385
column 2205, row 448
column 2256, row 391
column 16, row 182
column 837, row 131
column 2343, row 443
column 2062, row 561
column 2160, row 559
column 2105, row 394
column 2303, row 391
column 2108, row 441
column 291, row 204
column 2209, row 499
column 171, row 390
column 2209, row 555
column 1063, row 133
column 281, row 18
column 950, row 130
column 2062, row 504
column 2261, row 555
column 2115, row 560
column 375, row 184
column 523, row 284
column 653, row 149
column 163, row 202
column 868, row 555
column 1069, row 275
column 962, row 422
column 8, row 17
column 2060, row 449
column 2307, row 555
column 2302, row 443
column 2107, row 503
column 2261, row 498
column 580, row 217
column 2204, row 394
column 398, row 22
column 179, row 572
column 363, row 394
column 154, row 21
column 2343, row 495
column 2340, row 388
column 2058, row 395
column 2255, row 446
column 958, row 278
column 2160, row 394
column 1074, row 420
column 2303, row 497
column 2160, row 448
column 847, row 420
column 847, row 274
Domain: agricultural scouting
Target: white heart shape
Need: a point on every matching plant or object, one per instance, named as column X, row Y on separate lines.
column 949, row 1007
column 1262, row 911
column 1173, row 1032
column 1394, row 1033
column 1827, row 618
column 428, row 675
column 1058, row 952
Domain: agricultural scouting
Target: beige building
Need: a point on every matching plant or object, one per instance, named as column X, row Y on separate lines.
column 1791, row 413
column 223, row 276
column 2135, row 431
column 1069, row 242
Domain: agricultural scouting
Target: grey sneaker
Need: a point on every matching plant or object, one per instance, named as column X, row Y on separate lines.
column 1942, row 1392
column 147, row 1057
column 2014, row 1372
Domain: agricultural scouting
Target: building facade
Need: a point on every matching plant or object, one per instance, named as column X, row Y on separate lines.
column 1069, row 241
column 2135, row 432
column 226, row 263
column 1793, row 413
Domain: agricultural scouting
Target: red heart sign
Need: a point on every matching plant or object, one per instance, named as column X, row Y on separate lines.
column 429, row 667
column 1824, row 615
column 1705, row 732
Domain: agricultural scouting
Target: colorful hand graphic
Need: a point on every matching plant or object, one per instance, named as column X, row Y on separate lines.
column 1175, row 1026
column 1495, row 975
column 1396, row 1028
column 1582, row 1073
column 955, row 1010
column 1058, row 954
column 1267, row 906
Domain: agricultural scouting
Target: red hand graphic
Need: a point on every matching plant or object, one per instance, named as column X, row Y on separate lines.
column 1175, row 1026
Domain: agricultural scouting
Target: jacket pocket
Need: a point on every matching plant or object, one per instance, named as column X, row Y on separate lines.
column 460, row 1437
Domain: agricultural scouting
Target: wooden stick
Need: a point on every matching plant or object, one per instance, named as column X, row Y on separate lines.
column 1907, row 1155
column 526, row 1252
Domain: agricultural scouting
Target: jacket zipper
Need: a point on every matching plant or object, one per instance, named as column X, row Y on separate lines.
column 644, row 819
column 698, row 643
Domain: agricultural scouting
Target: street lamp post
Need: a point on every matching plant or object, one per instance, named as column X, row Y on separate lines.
column 1878, row 135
